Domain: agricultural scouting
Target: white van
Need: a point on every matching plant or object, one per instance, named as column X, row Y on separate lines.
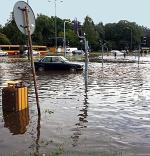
column 70, row 50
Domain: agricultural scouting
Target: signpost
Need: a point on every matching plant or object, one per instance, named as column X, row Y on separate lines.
column 77, row 28
column 25, row 21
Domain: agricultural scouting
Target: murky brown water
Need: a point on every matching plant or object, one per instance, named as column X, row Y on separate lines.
column 109, row 116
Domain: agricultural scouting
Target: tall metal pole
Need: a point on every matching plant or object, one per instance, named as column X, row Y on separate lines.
column 86, row 60
column 64, row 44
column 55, row 22
column 130, row 37
column 102, row 45
column 139, row 55
column 131, row 40
column 55, row 29
column 65, row 38
column 86, row 51
column 102, row 54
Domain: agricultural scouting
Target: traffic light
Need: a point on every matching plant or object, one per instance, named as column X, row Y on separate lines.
column 77, row 27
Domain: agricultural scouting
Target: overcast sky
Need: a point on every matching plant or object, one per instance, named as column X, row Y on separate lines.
column 106, row 11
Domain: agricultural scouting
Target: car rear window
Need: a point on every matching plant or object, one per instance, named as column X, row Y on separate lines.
column 56, row 59
column 46, row 59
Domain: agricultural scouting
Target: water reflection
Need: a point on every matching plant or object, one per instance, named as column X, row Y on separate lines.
column 109, row 113
column 38, row 134
column 16, row 122
column 82, row 115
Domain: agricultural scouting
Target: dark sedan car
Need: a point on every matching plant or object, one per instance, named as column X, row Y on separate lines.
column 56, row 63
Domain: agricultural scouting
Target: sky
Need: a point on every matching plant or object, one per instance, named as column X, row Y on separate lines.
column 106, row 11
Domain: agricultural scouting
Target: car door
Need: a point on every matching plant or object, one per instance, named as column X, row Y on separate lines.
column 57, row 63
column 46, row 63
column 63, row 64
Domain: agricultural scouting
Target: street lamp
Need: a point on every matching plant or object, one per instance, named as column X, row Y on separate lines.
column 55, row 5
column 130, row 37
column 103, row 44
column 65, row 36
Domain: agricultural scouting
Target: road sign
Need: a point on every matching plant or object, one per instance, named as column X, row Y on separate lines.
column 22, row 22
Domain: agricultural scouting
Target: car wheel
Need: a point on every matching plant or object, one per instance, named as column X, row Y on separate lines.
column 41, row 69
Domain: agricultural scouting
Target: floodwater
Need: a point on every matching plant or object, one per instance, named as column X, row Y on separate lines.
column 108, row 116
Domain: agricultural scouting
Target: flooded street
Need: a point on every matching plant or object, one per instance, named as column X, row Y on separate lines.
column 108, row 116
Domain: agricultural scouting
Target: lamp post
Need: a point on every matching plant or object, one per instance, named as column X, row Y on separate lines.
column 102, row 45
column 130, row 38
column 55, row 6
column 65, row 37
column 77, row 25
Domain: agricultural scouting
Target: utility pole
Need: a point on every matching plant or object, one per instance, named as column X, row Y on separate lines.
column 131, row 34
column 76, row 27
column 102, row 45
column 64, row 43
column 55, row 22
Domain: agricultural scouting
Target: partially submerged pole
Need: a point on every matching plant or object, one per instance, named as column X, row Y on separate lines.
column 102, row 51
column 31, row 56
column 102, row 55
column 77, row 26
column 86, row 60
column 139, row 54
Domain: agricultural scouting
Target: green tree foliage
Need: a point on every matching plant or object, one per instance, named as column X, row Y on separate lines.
column 44, row 29
column 120, row 34
column 1, row 29
column 100, row 30
column 13, row 34
column 91, row 32
column 4, row 39
column 117, row 35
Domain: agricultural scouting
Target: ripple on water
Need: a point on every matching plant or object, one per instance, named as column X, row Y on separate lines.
column 110, row 112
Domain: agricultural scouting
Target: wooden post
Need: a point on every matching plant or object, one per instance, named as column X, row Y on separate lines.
column 26, row 19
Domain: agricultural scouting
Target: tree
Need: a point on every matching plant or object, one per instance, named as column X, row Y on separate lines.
column 44, row 29
column 110, row 35
column 121, row 34
column 13, row 33
column 91, row 32
column 100, row 30
column 4, row 39
column 1, row 29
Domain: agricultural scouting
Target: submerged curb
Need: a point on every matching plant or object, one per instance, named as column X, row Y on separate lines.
column 97, row 59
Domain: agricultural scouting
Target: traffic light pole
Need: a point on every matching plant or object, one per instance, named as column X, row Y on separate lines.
column 86, row 60
column 86, row 56
column 139, row 54
column 76, row 27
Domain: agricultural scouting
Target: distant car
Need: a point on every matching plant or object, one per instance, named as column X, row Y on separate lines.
column 56, row 63
column 70, row 49
column 3, row 53
column 117, row 52
column 123, row 51
column 33, row 51
column 135, row 51
column 78, row 52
